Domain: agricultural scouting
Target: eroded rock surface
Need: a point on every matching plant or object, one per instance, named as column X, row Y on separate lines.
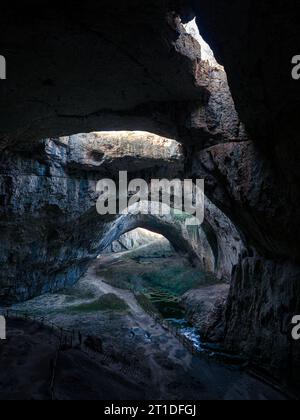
column 137, row 68
column 49, row 225
column 51, row 231
column 265, row 282
column 205, row 308
column 246, row 187
column 263, row 299
column 135, row 239
column 111, row 152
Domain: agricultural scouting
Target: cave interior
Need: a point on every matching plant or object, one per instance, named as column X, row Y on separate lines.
column 160, row 89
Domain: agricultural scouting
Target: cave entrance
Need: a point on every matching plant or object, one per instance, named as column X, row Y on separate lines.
column 161, row 279
column 168, row 271
column 142, row 238
column 158, row 271
column 94, row 291
column 207, row 53
column 147, row 75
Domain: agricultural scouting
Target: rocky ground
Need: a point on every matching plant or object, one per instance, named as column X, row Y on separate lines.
column 27, row 355
column 147, row 362
column 26, row 359
column 205, row 309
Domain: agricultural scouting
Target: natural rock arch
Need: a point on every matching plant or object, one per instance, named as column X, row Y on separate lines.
column 51, row 230
column 155, row 86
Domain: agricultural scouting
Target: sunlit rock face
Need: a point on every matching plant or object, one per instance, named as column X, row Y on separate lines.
column 136, row 239
column 256, row 41
column 112, row 152
column 217, row 121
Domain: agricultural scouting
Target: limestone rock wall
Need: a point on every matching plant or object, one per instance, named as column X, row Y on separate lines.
column 263, row 299
column 50, row 229
column 135, row 239
column 133, row 66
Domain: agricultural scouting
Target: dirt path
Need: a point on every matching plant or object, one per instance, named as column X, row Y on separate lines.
column 163, row 368
column 213, row 376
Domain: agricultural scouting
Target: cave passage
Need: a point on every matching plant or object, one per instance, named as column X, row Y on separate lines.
column 140, row 91
column 119, row 278
column 112, row 277
column 138, row 269
column 183, row 271
column 146, row 263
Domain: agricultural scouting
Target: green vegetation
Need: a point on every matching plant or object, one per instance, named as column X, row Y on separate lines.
column 161, row 281
column 108, row 302
column 73, row 294
column 172, row 276
column 176, row 280
column 180, row 216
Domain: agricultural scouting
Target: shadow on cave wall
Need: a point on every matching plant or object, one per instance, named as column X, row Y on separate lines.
column 159, row 83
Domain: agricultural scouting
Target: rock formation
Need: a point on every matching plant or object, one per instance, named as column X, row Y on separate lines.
column 205, row 309
column 50, row 228
column 114, row 66
column 134, row 240
column 51, row 231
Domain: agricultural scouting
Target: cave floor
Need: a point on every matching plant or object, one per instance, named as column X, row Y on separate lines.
column 149, row 362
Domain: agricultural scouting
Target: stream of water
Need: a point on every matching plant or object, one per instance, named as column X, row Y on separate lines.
column 169, row 307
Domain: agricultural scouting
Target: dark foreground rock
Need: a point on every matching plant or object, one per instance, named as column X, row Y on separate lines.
column 205, row 307
column 263, row 299
column 26, row 364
